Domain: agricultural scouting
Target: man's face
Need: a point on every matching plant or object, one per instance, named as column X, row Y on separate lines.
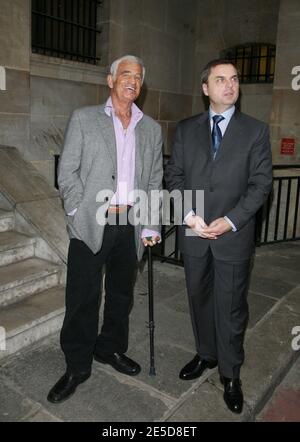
column 222, row 87
column 128, row 82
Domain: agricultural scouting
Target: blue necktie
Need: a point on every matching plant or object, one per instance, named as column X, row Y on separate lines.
column 216, row 134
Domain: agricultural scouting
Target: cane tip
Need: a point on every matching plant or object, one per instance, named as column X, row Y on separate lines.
column 152, row 371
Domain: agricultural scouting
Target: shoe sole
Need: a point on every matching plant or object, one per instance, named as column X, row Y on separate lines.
column 102, row 361
column 62, row 400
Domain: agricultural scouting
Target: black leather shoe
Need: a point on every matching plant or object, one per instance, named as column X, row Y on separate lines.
column 233, row 395
column 66, row 386
column 119, row 362
column 195, row 368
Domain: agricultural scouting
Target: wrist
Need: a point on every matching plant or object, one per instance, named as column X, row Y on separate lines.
column 191, row 221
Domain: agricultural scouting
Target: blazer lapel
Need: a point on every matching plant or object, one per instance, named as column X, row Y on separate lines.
column 140, row 144
column 108, row 133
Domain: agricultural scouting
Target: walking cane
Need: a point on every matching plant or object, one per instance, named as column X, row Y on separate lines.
column 151, row 315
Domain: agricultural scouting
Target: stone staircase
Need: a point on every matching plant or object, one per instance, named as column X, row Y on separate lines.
column 31, row 292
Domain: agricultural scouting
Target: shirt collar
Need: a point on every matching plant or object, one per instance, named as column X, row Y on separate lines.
column 136, row 112
column 226, row 114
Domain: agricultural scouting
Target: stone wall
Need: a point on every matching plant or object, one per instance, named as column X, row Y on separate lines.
column 57, row 88
column 285, row 117
column 162, row 33
column 175, row 38
column 222, row 24
column 14, row 58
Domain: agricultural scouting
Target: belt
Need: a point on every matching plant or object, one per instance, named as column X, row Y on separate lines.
column 119, row 208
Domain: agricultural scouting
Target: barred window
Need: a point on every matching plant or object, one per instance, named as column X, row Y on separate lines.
column 66, row 28
column 255, row 61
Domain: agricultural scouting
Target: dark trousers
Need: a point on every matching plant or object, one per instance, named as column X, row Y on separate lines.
column 217, row 292
column 79, row 335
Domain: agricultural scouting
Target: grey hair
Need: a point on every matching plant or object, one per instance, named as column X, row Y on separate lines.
column 132, row 58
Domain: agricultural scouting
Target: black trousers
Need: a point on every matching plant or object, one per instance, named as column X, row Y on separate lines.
column 79, row 335
column 217, row 292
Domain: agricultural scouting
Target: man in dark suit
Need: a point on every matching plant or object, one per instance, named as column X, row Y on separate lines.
column 226, row 154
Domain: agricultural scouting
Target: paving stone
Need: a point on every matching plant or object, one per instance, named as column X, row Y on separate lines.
column 101, row 398
column 13, row 405
column 104, row 398
column 171, row 327
column 259, row 305
column 283, row 261
column 270, row 285
column 43, row 416
column 206, row 404
column 167, row 281
column 169, row 360
column 289, row 249
column 36, row 369
column 275, row 271
column 284, row 405
column 179, row 303
column 268, row 353
column 292, row 301
column 109, row 396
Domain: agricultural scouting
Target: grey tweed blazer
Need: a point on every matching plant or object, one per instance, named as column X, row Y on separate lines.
column 88, row 164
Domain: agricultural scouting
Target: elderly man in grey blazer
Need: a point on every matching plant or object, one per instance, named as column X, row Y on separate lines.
column 110, row 151
column 226, row 154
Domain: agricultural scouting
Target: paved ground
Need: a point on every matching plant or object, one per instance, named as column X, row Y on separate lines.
column 284, row 405
column 108, row 396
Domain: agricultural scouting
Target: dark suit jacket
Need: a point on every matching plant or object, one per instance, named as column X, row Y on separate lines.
column 235, row 184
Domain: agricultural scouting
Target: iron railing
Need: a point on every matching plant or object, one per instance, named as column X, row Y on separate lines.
column 277, row 221
column 66, row 29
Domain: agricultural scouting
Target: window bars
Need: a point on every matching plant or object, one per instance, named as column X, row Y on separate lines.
column 66, row 29
column 255, row 61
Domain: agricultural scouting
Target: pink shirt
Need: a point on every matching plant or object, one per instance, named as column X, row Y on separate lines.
column 125, row 141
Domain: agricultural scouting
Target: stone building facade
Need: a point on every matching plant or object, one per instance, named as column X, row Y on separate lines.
column 175, row 38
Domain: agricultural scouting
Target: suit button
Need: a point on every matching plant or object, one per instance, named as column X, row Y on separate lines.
column 113, row 177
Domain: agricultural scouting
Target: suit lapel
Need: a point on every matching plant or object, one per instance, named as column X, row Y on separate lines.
column 204, row 134
column 233, row 133
column 108, row 133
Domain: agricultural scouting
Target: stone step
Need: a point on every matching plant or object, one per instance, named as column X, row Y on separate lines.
column 15, row 247
column 7, row 220
column 31, row 319
column 25, row 278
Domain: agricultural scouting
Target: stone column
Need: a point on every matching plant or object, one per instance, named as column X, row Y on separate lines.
column 285, row 115
column 14, row 63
